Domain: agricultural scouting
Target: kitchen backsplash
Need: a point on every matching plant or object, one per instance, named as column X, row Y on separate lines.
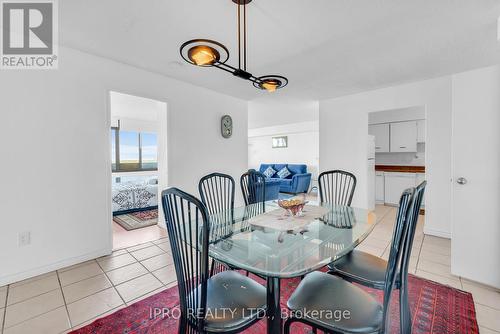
column 402, row 159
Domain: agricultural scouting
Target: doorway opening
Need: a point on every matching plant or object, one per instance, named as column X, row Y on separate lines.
column 293, row 148
column 138, row 168
column 283, row 144
column 396, row 156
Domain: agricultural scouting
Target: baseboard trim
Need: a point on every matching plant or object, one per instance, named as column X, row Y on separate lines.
column 9, row 279
column 437, row 233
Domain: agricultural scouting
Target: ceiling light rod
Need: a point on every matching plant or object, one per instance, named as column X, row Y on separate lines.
column 209, row 53
column 240, row 4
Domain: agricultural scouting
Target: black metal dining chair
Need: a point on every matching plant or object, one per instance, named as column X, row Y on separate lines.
column 253, row 187
column 336, row 187
column 319, row 296
column 370, row 270
column 217, row 192
column 204, row 300
column 405, row 312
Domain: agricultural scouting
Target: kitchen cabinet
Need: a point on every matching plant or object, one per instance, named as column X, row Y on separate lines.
column 379, row 187
column 421, row 131
column 403, row 136
column 381, row 133
column 395, row 184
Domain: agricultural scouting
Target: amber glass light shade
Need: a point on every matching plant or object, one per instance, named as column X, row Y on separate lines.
column 203, row 55
column 270, row 85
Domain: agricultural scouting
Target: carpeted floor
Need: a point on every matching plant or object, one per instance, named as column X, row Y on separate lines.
column 135, row 220
column 436, row 308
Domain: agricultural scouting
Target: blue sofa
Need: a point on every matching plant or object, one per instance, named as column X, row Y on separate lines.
column 272, row 191
column 297, row 182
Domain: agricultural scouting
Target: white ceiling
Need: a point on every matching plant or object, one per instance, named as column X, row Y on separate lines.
column 135, row 107
column 326, row 48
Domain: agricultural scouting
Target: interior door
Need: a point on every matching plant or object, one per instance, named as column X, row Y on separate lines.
column 476, row 183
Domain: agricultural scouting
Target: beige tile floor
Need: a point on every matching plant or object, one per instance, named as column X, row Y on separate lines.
column 123, row 238
column 75, row 296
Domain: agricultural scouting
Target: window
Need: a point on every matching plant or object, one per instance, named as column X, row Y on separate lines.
column 133, row 151
column 129, row 151
column 280, row 142
column 149, row 150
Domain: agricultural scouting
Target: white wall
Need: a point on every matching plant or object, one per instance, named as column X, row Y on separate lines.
column 303, row 145
column 134, row 107
column 344, row 130
column 57, row 181
column 397, row 115
column 135, row 113
column 269, row 111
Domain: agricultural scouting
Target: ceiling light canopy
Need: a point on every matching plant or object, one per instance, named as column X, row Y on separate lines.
column 208, row 53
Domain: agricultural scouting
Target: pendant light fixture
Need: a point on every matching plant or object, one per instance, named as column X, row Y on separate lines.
column 208, row 53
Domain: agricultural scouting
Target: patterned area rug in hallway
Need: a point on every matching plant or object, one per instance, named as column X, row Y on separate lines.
column 436, row 308
column 135, row 220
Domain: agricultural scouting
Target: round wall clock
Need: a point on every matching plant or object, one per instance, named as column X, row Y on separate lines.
column 226, row 126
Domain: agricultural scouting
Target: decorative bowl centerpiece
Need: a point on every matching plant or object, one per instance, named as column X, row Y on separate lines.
column 294, row 205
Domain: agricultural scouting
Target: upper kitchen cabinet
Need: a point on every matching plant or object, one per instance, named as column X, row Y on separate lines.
column 381, row 133
column 421, row 131
column 403, row 136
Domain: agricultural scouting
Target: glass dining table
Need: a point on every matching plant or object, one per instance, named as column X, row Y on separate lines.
column 239, row 239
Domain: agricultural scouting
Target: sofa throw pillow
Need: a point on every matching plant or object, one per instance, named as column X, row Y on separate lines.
column 269, row 172
column 284, row 172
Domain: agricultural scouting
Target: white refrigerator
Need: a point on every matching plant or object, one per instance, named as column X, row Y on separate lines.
column 371, row 172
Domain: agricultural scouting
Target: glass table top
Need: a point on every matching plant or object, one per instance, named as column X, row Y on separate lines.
column 273, row 252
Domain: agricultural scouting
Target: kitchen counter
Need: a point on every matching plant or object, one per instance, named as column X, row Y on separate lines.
column 400, row 169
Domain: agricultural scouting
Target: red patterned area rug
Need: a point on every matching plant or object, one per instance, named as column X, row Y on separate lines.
column 135, row 220
column 436, row 308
